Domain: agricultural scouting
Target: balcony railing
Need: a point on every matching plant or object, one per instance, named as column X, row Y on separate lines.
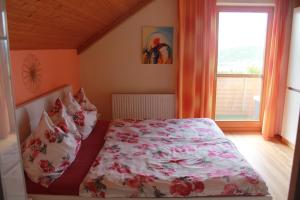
column 238, row 97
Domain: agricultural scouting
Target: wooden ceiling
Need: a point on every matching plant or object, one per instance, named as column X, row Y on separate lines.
column 65, row 24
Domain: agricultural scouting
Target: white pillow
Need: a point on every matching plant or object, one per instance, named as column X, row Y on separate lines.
column 83, row 101
column 48, row 152
column 85, row 121
column 60, row 118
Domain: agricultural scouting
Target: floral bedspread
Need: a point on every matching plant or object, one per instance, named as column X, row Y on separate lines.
column 169, row 158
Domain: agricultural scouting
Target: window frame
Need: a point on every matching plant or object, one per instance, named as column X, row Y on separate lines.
column 246, row 125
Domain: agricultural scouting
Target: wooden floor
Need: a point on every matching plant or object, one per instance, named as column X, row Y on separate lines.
column 271, row 159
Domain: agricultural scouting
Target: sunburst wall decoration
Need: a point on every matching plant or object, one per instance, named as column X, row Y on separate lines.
column 32, row 73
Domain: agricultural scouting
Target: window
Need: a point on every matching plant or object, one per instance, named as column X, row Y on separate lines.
column 242, row 40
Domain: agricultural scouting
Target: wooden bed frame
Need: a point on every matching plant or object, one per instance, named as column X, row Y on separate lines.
column 27, row 118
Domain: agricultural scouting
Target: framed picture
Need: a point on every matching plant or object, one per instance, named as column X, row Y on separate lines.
column 157, row 45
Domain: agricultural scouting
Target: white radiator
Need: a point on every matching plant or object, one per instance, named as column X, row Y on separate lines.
column 143, row 106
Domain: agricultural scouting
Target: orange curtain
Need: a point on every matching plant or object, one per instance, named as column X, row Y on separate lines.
column 277, row 55
column 197, row 57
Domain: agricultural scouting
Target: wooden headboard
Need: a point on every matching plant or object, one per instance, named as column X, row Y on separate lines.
column 29, row 114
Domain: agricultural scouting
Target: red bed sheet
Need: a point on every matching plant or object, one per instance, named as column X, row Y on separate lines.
column 69, row 182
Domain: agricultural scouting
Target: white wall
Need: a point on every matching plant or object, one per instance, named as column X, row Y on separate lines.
column 113, row 64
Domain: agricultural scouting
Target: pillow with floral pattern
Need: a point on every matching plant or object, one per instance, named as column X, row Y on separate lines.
column 60, row 118
column 83, row 101
column 48, row 152
column 84, row 120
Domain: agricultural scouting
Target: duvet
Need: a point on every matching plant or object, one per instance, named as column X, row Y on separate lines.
column 169, row 158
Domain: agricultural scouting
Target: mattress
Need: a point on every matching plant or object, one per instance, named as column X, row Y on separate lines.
column 69, row 182
column 169, row 158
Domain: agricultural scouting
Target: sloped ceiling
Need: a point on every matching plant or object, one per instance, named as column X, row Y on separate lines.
column 65, row 24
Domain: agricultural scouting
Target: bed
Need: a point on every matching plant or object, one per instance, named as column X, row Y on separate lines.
column 170, row 165
column 70, row 181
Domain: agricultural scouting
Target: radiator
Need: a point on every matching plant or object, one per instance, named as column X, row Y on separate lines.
column 143, row 106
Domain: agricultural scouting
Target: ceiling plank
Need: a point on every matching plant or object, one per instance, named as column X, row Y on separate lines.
column 111, row 26
column 61, row 24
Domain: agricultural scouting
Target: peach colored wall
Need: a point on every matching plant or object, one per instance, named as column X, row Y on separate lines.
column 59, row 67
column 113, row 64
